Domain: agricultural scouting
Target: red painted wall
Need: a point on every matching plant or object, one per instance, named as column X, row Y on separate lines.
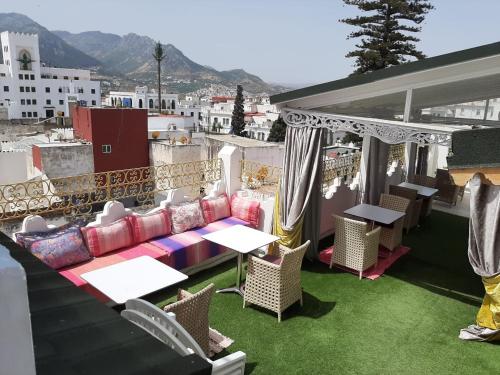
column 126, row 130
column 37, row 157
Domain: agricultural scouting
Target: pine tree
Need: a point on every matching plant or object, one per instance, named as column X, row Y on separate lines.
column 159, row 55
column 384, row 32
column 238, row 119
column 278, row 131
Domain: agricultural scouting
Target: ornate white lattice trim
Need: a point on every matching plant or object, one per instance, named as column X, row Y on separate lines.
column 391, row 132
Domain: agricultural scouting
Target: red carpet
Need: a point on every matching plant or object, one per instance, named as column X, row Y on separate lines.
column 385, row 259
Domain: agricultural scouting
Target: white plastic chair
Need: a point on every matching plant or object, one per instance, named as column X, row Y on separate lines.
column 165, row 328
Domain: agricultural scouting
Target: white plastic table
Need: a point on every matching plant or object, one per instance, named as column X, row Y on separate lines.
column 243, row 240
column 133, row 278
column 375, row 213
column 423, row 191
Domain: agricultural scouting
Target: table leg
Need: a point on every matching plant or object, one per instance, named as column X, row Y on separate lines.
column 239, row 270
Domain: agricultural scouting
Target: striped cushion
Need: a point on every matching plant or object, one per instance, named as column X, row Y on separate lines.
column 106, row 238
column 150, row 225
column 215, row 208
column 189, row 249
column 245, row 209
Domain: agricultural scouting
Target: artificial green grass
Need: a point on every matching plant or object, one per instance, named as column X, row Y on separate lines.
column 406, row 322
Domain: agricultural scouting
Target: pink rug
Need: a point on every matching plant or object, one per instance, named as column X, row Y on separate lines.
column 385, row 259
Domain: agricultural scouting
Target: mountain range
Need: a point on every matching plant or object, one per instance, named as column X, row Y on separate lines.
column 127, row 57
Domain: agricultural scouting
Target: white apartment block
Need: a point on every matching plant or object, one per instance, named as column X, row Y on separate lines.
column 142, row 98
column 30, row 90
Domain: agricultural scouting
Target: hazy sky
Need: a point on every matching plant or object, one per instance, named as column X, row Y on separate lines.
column 284, row 41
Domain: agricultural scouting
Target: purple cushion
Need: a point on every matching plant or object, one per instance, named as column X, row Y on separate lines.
column 57, row 248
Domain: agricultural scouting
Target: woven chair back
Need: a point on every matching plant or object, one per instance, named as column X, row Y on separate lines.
column 404, row 192
column 292, row 258
column 393, row 202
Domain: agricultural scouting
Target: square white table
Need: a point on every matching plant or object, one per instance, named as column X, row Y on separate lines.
column 133, row 278
column 423, row 191
column 243, row 240
column 375, row 213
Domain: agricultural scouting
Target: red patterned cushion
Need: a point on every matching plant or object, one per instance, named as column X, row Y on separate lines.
column 215, row 208
column 150, row 225
column 245, row 209
column 186, row 216
column 106, row 238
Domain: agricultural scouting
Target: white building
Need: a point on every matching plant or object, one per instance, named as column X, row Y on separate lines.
column 29, row 90
column 142, row 98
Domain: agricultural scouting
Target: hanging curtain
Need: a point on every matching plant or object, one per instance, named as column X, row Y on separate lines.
column 376, row 171
column 484, row 256
column 298, row 195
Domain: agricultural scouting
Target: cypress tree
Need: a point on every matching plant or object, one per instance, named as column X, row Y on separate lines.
column 278, row 131
column 384, row 32
column 238, row 119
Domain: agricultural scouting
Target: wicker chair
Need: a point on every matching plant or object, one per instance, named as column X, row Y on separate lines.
column 391, row 238
column 191, row 311
column 355, row 248
column 274, row 282
column 448, row 191
column 167, row 329
column 415, row 207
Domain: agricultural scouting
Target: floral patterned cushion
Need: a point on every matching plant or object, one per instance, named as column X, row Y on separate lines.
column 57, row 248
column 103, row 239
column 150, row 225
column 245, row 209
column 186, row 216
column 215, row 208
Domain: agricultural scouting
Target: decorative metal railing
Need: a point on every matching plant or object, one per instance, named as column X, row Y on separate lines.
column 77, row 195
column 260, row 177
column 396, row 154
column 343, row 166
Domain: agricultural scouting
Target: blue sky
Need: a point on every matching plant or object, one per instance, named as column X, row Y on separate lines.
column 284, row 41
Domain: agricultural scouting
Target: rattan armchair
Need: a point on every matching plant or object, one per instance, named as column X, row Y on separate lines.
column 191, row 311
column 391, row 238
column 448, row 191
column 354, row 246
column 415, row 207
column 275, row 285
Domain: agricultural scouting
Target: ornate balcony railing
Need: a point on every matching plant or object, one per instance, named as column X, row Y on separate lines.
column 341, row 167
column 396, row 154
column 260, row 177
column 77, row 195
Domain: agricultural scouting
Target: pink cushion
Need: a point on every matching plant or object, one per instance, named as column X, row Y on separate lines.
column 245, row 209
column 186, row 216
column 215, row 208
column 150, row 225
column 103, row 239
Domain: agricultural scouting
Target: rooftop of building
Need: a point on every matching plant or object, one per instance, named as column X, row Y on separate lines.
column 239, row 141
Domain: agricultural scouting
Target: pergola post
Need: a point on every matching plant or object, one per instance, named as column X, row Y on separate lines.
column 363, row 167
column 410, row 147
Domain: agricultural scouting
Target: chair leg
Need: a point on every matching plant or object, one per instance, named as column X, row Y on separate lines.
column 301, row 301
column 244, row 303
column 279, row 317
column 360, row 275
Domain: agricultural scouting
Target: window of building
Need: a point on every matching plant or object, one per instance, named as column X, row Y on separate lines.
column 7, row 62
column 80, row 90
column 21, row 88
column 76, row 78
column 92, row 91
column 106, row 149
column 35, row 114
column 47, row 89
column 23, row 102
column 61, row 102
column 23, row 114
column 94, row 102
column 27, row 89
column 6, row 48
column 21, row 76
column 33, row 102
column 2, row 74
column 27, row 76
column 6, row 88
column 32, row 77
column 54, row 77
column 60, row 89
column 182, row 113
column 33, row 89
column 29, row 114
column 28, row 101
column 65, row 77
column 48, row 102
column 192, row 114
